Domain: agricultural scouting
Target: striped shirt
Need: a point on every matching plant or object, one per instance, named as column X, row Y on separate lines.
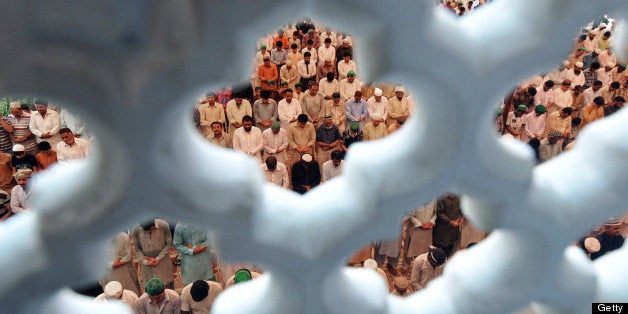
column 21, row 128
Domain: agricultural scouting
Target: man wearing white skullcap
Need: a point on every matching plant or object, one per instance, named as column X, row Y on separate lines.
column 610, row 239
column 375, row 129
column 398, row 106
column 114, row 292
column 576, row 76
column 377, row 104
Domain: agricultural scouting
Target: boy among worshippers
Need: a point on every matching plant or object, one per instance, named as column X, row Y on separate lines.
column 333, row 168
column 21, row 192
column 196, row 257
column 550, row 146
column 121, row 268
column 22, row 160
column 306, row 174
column 72, row 147
column 218, row 136
column 426, row 267
column 46, row 156
column 199, row 296
column 353, row 135
column 152, row 241
column 275, row 172
column 158, row 299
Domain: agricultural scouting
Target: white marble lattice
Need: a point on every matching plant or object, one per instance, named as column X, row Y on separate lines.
column 127, row 66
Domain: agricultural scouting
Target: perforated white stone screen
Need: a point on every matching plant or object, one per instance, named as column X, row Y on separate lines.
column 128, row 66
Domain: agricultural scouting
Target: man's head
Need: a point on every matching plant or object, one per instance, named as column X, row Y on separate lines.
column 310, row 42
column 210, row 99
column 22, row 176
column 612, row 227
column 531, row 91
column 594, row 66
column 618, row 101
column 247, row 123
column 242, row 275
column 578, row 67
column 264, row 95
column 596, row 85
column 327, row 122
column 313, row 88
column 566, row 85
column 271, row 163
column 16, row 109
column 148, row 225
column 275, row 126
column 294, row 47
column 554, row 136
column 287, row 94
column 19, row 150
column 521, row 109
column 399, row 92
column 577, row 89
column 377, row 94
column 376, row 119
column 279, row 45
column 307, row 158
column 155, row 290
column 200, row 289
column 350, row 76
column 237, row 96
column 327, row 42
column 354, row 127
column 598, row 101
column 298, row 87
column 302, row 120
column 262, row 47
column 357, row 96
column 113, row 290
column 436, row 256
column 539, row 110
column 216, row 128
column 614, row 86
column 67, row 136
column 335, row 98
column 566, row 112
column 330, row 76
column 41, row 105
column 336, row 157
column 44, row 147
column 401, row 284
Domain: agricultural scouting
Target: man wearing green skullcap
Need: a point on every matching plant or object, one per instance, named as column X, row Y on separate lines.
column 351, row 136
column 275, row 141
column 240, row 276
column 514, row 121
column 534, row 124
column 157, row 299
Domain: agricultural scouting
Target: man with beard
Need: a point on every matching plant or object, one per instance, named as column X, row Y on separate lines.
column 333, row 168
column 327, row 139
column 305, row 174
column 398, row 106
column 265, row 111
column 21, row 192
column 210, row 111
column 152, row 241
column 237, row 108
column 218, row 137
column 248, row 139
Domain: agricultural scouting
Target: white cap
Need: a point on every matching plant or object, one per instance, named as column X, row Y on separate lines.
column 579, row 64
column 597, row 51
column 113, row 290
column 306, row 157
column 18, row 148
column 399, row 89
column 378, row 92
column 370, row 263
column 376, row 117
column 592, row 245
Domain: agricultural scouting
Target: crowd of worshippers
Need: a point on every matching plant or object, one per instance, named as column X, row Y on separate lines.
column 461, row 7
column 303, row 109
column 549, row 111
column 149, row 245
column 32, row 141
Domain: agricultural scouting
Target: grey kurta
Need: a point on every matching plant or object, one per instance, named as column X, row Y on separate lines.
column 419, row 240
column 125, row 274
column 156, row 243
